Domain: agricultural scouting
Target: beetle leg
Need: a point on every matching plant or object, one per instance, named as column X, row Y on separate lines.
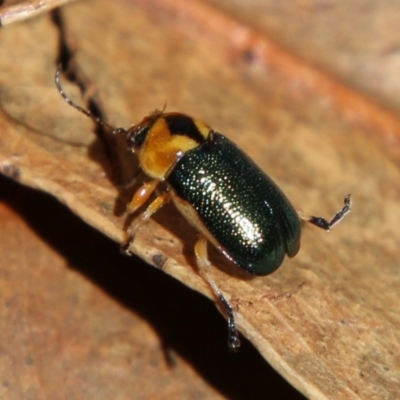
column 142, row 195
column 154, row 206
column 204, row 265
column 322, row 222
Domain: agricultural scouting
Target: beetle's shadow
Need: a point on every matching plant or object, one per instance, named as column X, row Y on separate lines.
column 120, row 166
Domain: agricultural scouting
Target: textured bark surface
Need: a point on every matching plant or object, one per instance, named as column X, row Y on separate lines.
column 328, row 319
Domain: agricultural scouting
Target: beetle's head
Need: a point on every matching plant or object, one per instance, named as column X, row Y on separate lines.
column 137, row 134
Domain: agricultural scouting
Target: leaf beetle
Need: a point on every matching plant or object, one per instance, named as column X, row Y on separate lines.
column 219, row 190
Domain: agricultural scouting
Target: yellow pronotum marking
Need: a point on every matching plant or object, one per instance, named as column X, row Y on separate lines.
column 161, row 149
column 203, row 128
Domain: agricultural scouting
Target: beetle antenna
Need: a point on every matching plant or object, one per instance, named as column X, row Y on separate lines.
column 85, row 111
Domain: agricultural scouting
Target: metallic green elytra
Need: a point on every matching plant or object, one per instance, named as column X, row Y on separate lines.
column 248, row 217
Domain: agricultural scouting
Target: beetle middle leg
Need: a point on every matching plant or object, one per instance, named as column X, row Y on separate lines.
column 322, row 222
column 204, row 265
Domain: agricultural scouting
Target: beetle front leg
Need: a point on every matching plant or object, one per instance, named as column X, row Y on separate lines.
column 154, row 206
column 204, row 265
column 142, row 195
column 322, row 222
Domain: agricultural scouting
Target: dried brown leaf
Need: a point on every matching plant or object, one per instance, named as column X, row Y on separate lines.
column 327, row 320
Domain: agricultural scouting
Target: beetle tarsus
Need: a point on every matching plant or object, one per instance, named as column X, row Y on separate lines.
column 126, row 244
column 323, row 223
column 233, row 338
column 204, row 265
column 233, row 334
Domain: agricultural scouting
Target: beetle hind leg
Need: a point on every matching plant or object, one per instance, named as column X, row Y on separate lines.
column 322, row 222
column 204, row 265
